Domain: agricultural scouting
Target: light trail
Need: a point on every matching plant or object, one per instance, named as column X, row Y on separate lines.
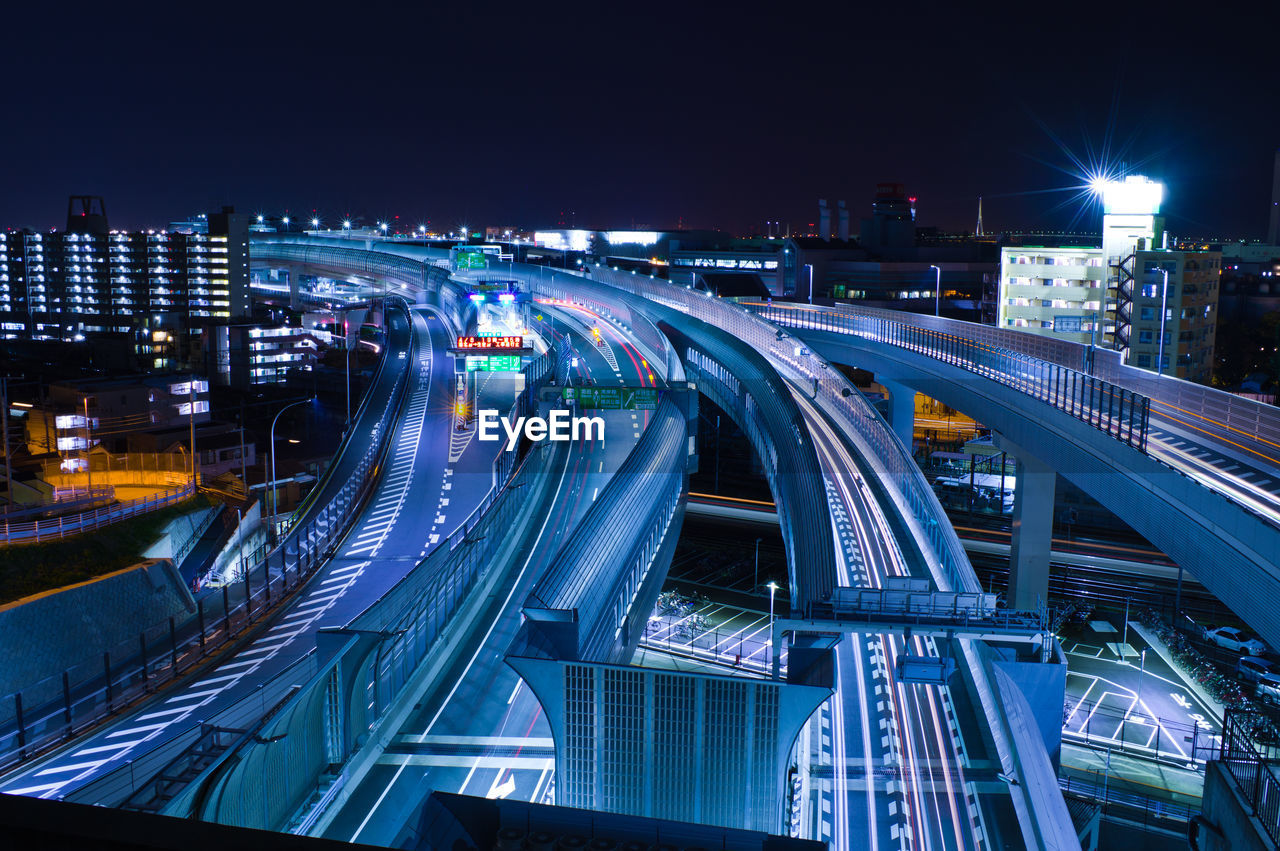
column 912, row 731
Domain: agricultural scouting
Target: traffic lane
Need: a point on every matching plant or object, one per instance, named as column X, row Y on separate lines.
column 233, row 679
column 923, row 736
column 1216, row 436
column 1228, row 473
column 399, row 341
column 487, row 702
column 394, row 788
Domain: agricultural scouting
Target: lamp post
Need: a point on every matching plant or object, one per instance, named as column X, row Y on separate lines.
column 773, row 588
column 275, row 498
column 346, row 356
column 756, row 583
column 937, row 290
column 1142, row 670
column 1164, row 308
column 809, row 266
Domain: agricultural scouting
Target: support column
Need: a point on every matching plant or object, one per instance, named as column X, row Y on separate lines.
column 295, row 284
column 902, row 411
column 1032, row 531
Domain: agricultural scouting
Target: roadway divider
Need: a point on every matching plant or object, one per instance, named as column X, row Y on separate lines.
column 585, row 607
column 63, row 706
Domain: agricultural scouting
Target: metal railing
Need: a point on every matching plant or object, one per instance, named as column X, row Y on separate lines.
column 1115, row 410
column 38, row 531
column 1246, row 741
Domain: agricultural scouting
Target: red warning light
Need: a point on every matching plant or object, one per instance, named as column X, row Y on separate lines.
column 912, row 199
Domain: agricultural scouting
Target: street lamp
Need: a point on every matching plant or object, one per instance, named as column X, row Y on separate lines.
column 809, row 266
column 285, row 221
column 275, row 497
column 1141, row 673
column 756, row 583
column 315, row 223
column 937, row 290
column 773, row 588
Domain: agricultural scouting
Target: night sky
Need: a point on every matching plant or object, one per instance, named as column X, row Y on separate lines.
column 613, row 115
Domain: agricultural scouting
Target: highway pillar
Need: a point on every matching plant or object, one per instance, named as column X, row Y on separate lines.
column 1032, row 532
column 902, row 411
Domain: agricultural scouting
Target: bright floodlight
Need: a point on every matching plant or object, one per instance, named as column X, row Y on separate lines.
column 383, row 225
column 1135, row 195
column 285, row 220
column 315, row 223
column 346, row 223
column 259, row 218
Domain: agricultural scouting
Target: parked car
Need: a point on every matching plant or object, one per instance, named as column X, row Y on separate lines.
column 1254, row 670
column 1237, row 640
column 1268, row 693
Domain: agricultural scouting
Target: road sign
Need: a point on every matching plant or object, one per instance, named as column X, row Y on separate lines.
column 507, row 341
column 493, row 363
column 471, row 260
column 613, row 398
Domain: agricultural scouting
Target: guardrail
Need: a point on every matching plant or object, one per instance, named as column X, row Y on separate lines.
column 1114, row 410
column 1254, row 773
column 38, row 531
column 60, row 707
column 626, row 526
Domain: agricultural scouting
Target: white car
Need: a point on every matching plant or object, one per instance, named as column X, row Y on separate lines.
column 1254, row 670
column 1231, row 638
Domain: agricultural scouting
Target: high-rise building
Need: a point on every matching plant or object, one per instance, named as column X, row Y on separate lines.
column 63, row 285
column 1119, row 295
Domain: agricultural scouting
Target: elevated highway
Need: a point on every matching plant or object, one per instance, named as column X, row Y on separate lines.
column 1194, row 470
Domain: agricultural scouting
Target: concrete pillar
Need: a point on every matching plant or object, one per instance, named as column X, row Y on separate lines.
column 295, row 283
column 1032, row 534
column 902, row 411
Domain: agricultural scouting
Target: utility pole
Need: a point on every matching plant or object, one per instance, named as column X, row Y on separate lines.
column 88, row 457
column 191, row 418
column 8, row 468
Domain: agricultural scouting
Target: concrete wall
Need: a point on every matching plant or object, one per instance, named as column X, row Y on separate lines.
column 1228, row 821
column 43, row 635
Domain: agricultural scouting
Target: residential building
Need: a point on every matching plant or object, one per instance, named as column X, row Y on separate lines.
column 1132, row 293
column 87, row 280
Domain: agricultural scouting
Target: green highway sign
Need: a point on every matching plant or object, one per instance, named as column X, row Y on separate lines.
column 493, row 363
column 472, row 260
column 613, row 398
